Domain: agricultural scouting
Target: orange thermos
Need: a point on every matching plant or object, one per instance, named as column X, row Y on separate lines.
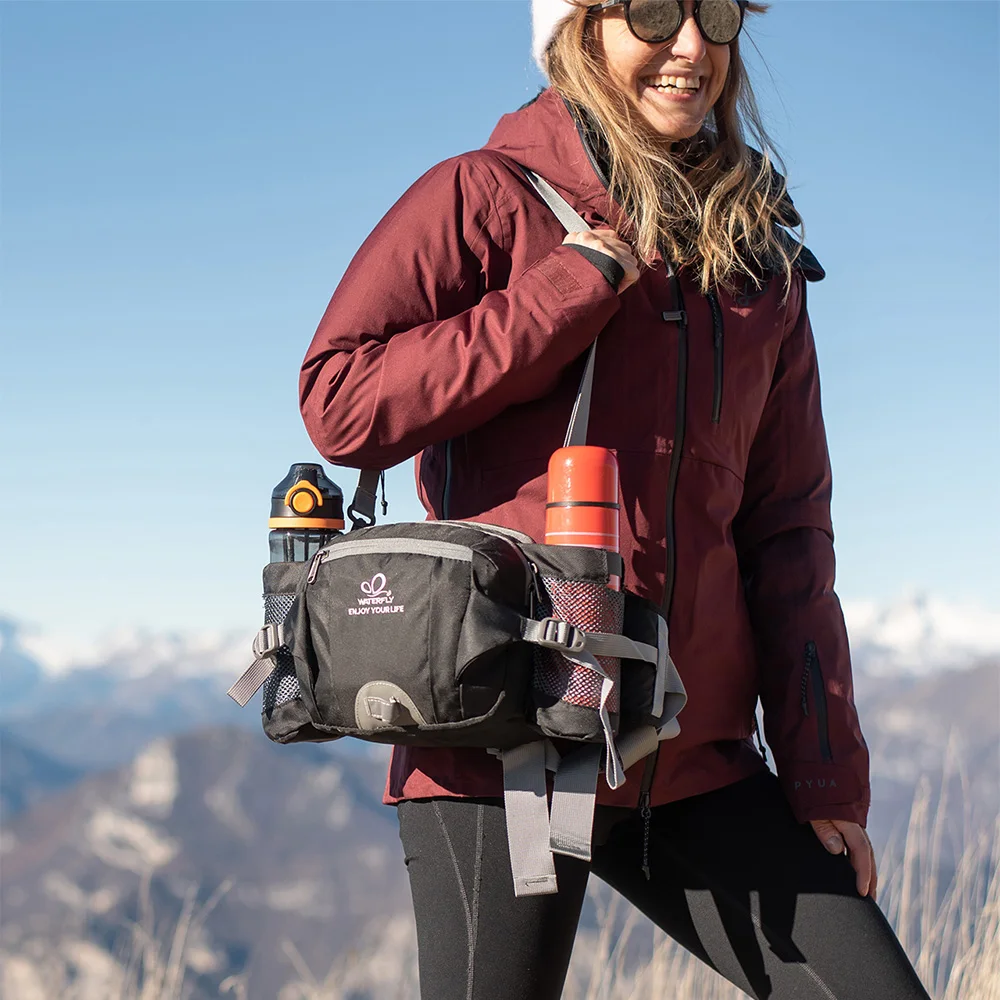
column 582, row 507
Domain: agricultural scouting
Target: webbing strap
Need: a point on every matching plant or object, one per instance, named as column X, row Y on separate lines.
column 609, row 644
column 614, row 773
column 527, row 812
column 553, row 633
column 636, row 744
column 663, row 662
column 576, row 432
column 249, row 682
column 574, row 794
column 266, row 643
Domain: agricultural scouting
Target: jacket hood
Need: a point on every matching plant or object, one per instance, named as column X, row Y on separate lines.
column 546, row 137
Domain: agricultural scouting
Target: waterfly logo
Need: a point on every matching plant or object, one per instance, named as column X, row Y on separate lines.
column 376, row 586
column 377, row 600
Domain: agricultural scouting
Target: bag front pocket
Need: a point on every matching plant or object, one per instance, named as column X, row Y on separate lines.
column 388, row 613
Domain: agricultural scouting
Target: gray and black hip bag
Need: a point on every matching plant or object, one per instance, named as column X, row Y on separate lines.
column 467, row 635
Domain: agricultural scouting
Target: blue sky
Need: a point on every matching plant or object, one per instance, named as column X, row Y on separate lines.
column 184, row 183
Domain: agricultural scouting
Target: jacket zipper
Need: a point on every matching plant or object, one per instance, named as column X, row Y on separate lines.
column 680, row 426
column 812, row 673
column 718, row 335
column 679, row 316
column 446, row 492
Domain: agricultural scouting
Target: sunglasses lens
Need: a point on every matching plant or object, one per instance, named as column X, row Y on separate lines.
column 655, row 20
column 720, row 20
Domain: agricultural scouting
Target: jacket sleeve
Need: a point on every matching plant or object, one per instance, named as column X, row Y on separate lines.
column 430, row 335
column 784, row 538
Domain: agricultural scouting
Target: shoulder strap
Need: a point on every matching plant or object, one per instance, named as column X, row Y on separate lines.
column 362, row 508
column 576, row 432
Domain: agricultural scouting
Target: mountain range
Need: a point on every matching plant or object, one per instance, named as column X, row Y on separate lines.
column 134, row 792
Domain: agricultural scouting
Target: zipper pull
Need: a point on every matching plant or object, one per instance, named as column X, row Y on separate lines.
column 646, row 813
column 317, row 561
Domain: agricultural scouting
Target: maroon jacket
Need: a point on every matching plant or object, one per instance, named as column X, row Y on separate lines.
column 456, row 335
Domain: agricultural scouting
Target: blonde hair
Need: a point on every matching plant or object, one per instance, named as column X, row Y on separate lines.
column 711, row 202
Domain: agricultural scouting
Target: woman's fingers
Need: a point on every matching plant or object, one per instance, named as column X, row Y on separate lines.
column 608, row 242
column 836, row 835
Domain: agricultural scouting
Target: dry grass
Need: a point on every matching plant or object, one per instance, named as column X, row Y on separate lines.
column 947, row 918
column 155, row 968
column 950, row 929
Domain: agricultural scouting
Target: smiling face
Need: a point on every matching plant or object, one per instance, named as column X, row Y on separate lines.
column 675, row 83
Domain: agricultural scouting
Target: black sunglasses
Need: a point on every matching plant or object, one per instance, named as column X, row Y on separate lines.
column 719, row 21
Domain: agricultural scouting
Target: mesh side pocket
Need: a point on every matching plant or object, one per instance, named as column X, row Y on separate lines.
column 282, row 686
column 596, row 608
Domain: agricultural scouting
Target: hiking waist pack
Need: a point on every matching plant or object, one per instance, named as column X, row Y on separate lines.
column 462, row 634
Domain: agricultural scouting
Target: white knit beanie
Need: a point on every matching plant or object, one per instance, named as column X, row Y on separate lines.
column 545, row 18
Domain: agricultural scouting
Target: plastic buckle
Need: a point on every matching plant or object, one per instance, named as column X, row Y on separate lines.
column 266, row 642
column 362, row 517
column 557, row 634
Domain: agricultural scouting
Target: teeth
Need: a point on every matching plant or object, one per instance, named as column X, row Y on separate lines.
column 675, row 82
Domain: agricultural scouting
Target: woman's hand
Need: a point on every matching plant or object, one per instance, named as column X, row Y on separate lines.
column 836, row 835
column 606, row 241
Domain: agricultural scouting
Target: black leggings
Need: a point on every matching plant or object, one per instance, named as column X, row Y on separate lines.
column 734, row 879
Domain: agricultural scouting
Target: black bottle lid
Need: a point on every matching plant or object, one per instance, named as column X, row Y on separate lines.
column 305, row 498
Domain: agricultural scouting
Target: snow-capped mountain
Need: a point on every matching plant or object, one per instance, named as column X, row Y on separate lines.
column 113, row 693
column 132, row 652
column 919, row 635
column 916, row 634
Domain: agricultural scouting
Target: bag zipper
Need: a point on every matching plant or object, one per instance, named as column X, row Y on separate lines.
column 718, row 334
column 812, row 672
column 378, row 546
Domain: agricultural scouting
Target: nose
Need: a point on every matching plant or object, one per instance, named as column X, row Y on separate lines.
column 688, row 43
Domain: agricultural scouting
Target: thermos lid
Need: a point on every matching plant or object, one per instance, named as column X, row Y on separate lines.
column 305, row 498
column 583, row 474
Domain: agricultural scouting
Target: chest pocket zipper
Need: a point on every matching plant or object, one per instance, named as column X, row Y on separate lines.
column 718, row 336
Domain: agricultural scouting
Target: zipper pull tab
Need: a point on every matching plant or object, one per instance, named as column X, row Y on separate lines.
column 317, row 561
column 646, row 813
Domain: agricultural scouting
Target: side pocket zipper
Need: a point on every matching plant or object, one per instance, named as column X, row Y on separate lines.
column 812, row 673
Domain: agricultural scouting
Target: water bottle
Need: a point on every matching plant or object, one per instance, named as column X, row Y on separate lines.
column 582, row 506
column 582, row 509
column 307, row 512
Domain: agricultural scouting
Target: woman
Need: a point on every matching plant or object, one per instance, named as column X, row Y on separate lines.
column 456, row 335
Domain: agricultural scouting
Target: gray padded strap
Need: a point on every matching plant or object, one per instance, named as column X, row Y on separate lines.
column 576, row 432
column 574, row 793
column 527, row 810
